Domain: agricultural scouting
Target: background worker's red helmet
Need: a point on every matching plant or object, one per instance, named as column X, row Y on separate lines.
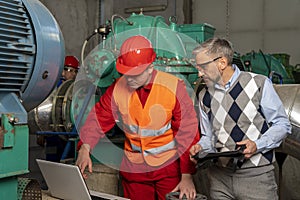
column 71, row 61
column 136, row 54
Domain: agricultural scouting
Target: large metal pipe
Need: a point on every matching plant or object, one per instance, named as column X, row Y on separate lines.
column 54, row 113
column 290, row 97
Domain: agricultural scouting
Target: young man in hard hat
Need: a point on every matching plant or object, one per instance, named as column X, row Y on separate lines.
column 158, row 120
column 71, row 67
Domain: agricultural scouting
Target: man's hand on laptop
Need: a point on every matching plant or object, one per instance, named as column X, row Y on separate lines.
column 84, row 160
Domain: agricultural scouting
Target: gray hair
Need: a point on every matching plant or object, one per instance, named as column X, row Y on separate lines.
column 217, row 47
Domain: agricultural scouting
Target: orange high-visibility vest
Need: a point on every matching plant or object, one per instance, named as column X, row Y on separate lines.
column 149, row 137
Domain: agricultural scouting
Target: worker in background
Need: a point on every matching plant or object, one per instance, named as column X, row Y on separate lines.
column 158, row 120
column 71, row 67
column 238, row 108
column 56, row 144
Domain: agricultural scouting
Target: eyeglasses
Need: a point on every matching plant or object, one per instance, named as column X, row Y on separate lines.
column 203, row 65
column 68, row 69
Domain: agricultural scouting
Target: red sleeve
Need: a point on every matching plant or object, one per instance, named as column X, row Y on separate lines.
column 100, row 119
column 185, row 127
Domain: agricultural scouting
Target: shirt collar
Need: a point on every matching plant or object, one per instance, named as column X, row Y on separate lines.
column 233, row 78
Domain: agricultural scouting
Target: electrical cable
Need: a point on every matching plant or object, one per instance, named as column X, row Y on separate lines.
column 84, row 44
column 99, row 30
column 112, row 27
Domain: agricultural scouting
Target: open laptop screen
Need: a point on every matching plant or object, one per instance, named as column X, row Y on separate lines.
column 66, row 182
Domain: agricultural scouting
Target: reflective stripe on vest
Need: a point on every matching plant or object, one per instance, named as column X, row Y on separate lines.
column 166, row 147
column 132, row 129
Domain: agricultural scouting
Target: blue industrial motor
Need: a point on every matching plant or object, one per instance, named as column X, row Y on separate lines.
column 31, row 60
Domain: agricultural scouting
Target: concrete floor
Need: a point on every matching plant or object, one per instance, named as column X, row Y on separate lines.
column 35, row 152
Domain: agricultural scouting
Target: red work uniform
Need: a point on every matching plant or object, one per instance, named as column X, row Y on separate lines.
column 141, row 180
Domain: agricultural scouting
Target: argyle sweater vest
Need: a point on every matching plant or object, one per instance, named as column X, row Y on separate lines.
column 236, row 115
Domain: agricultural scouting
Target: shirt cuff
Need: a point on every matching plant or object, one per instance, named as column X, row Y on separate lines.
column 260, row 145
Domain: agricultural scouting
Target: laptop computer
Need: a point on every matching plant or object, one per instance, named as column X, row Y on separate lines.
column 65, row 181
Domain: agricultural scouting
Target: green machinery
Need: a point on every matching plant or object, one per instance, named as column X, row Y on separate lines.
column 30, row 62
column 274, row 66
column 173, row 44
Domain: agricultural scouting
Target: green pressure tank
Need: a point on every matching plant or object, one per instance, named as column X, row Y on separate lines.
column 173, row 44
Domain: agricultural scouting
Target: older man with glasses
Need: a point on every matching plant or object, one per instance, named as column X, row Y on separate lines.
column 238, row 108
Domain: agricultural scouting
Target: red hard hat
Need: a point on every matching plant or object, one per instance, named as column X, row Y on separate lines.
column 71, row 61
column 136, row 54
